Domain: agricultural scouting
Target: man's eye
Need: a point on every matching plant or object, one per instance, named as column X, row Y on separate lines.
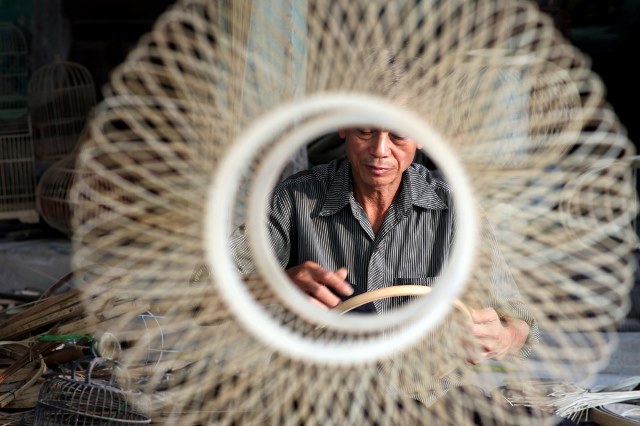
column 397, row 138
column 364, row 132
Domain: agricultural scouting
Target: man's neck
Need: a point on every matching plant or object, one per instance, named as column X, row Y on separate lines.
column 376, row 204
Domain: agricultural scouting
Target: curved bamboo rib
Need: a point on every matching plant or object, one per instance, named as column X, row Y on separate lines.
column 388, row 292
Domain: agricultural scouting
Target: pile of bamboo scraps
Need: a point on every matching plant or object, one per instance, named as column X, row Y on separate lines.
column 49, row 339
column 578, row 404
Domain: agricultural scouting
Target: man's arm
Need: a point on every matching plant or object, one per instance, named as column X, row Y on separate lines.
column 321, row 285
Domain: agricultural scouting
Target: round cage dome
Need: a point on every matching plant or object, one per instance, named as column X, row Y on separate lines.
column 61, row 96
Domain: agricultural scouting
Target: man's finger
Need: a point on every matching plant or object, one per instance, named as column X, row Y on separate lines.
column 322, row 294
column 336, row 281
column 318, row 303
column 484, row 330
column 485, row 315
column 317, row 282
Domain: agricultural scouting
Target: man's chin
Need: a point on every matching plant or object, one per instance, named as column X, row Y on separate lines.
column 378, row 181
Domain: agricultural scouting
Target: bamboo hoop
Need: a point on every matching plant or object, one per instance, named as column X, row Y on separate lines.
column 389, row 292
column 403, row 291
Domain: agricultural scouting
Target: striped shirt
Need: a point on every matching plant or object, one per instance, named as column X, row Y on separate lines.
column 314, row 216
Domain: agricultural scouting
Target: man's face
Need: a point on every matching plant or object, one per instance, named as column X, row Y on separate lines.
column 378, row 158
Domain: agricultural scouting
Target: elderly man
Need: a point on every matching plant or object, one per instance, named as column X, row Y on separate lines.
column 372, row 220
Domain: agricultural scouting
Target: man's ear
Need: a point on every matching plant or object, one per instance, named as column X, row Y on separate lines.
column 342, row 133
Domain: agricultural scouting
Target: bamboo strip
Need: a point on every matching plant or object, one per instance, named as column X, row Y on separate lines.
column 51, row 310
column 91, row 322
column 26, row 399
column 20, row 363
column 48, row 319
column 18, row 376
column 41, row 305
column 56, row 286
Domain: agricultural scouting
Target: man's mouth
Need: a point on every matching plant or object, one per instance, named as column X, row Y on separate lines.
column 377, row 170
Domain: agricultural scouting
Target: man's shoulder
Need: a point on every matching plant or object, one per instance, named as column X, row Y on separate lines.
column 433, row 178
column 318, row 177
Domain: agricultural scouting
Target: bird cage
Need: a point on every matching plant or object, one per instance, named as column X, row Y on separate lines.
column 17, row 177
column 52, row 202
column 61, row 95
column 68, row 400
column 52, row 193
column 13, row 80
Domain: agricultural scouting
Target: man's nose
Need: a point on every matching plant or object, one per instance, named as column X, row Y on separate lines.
column 380, row 144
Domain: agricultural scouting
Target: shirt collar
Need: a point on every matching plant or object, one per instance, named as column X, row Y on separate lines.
column 419, row 184
column 340, row 191
column 416, row 190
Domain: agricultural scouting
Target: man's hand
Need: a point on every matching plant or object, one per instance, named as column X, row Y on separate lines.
column 497, row 336
column 315, row 281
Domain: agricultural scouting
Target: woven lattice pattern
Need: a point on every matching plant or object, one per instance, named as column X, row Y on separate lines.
column 548, row 163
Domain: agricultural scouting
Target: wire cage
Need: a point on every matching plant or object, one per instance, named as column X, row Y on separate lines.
column 61, row 95
column 52, row 194
column 17, row 176
column 67, row 400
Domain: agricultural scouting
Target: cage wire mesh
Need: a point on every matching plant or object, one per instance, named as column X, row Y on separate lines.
column 75, row 400
column 514, row 101
column 17, row 174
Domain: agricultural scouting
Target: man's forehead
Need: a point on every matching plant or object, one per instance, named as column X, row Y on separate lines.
column 372, row 129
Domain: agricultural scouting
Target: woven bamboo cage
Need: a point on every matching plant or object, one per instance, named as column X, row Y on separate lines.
column 61, row 96
column 17, row 174
column 196, row 129
column 13, row 80
column 52, row 192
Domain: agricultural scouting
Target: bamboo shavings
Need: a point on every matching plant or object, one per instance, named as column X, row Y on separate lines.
column 568, row 400
column 574, row 405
